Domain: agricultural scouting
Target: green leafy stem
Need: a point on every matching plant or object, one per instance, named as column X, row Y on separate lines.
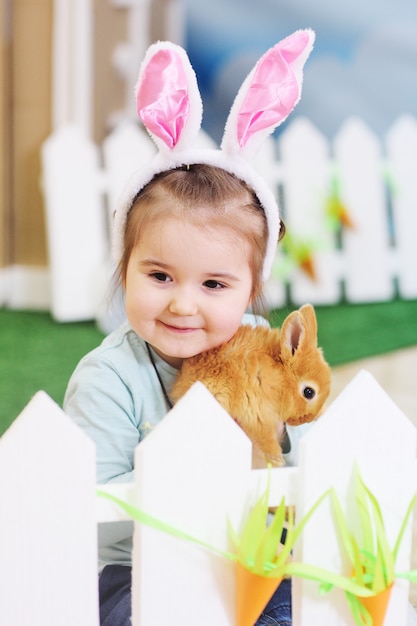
column 259, row 549
column 371, row 558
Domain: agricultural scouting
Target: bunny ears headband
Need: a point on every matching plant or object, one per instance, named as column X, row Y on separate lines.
column 169, row 105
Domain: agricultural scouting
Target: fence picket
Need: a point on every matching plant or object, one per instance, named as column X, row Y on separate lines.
column 194, row 487
column 48, row 538
column 401, row 144
column 125, row 149
column 345, row 435
column 367, row 268
column 76, row 223
column 267, row 164
column 304, row 153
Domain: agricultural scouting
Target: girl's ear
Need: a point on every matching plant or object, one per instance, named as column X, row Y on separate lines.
column 257, row 304
column 268, row 95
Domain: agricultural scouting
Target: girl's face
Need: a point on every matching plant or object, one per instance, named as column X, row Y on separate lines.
column 186, row 288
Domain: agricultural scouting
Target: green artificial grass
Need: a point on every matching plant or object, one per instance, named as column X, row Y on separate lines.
column 348, row 332
column 38, row 353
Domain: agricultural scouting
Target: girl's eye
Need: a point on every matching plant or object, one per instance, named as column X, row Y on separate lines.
column 213, row 284
column 161, row 277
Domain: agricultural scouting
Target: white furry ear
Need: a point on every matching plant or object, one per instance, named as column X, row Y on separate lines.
column 268, row 94
column 167, row 97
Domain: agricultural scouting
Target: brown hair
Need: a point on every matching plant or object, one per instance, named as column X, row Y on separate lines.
column 211, row 198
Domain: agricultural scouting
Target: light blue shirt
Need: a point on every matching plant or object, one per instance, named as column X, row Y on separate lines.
column 115, row 396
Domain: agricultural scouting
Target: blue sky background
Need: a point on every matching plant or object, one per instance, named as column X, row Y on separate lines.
column 364, row 61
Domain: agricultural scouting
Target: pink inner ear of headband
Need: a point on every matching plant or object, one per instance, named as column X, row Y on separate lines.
column 274, row 89
column 162, row 100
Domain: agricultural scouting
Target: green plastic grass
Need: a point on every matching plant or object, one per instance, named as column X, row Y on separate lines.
column 38, row 353
column 348, row 332
column 371, row 557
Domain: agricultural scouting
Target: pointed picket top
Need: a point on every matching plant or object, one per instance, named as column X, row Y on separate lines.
column 354, row 130
column 402, row 137
column 48, row 539
column 302, row 133
column 195, row 435
column 375, row 412
column 192, row 472
column 125, row 149
column 365, row 421
column 304, row 153
column 363, row 418
column 39, row 416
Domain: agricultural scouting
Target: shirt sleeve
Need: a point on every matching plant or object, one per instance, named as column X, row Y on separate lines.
column 100, row 403
column 254, row 320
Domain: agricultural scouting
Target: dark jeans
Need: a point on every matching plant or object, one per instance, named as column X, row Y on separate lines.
column 115, row 600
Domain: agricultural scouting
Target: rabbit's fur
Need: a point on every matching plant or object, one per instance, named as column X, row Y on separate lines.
column 264, row 376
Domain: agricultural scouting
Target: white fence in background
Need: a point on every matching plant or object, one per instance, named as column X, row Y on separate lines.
column 193, row 472
column 376, row 182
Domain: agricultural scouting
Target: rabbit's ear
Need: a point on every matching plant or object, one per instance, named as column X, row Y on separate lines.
column 268, row 95
column 310, row 323
column 299, row 331
column 167, row 97
column 292, row 334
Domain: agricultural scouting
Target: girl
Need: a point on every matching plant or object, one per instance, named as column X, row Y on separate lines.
column 195, row 237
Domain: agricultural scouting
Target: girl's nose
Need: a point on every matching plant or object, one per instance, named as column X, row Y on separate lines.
column 182, row 303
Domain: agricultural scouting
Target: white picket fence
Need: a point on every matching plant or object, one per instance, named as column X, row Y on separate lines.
column 372, row 262
column 193, row 472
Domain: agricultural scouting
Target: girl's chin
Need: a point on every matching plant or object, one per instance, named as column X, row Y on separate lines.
column 175, row 357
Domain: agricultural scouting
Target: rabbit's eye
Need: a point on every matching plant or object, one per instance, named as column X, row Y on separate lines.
column 309, row 393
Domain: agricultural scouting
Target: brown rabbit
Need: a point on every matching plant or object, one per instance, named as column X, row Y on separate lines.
column 264, row 376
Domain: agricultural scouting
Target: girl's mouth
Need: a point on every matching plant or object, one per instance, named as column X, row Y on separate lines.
column 182, row 330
